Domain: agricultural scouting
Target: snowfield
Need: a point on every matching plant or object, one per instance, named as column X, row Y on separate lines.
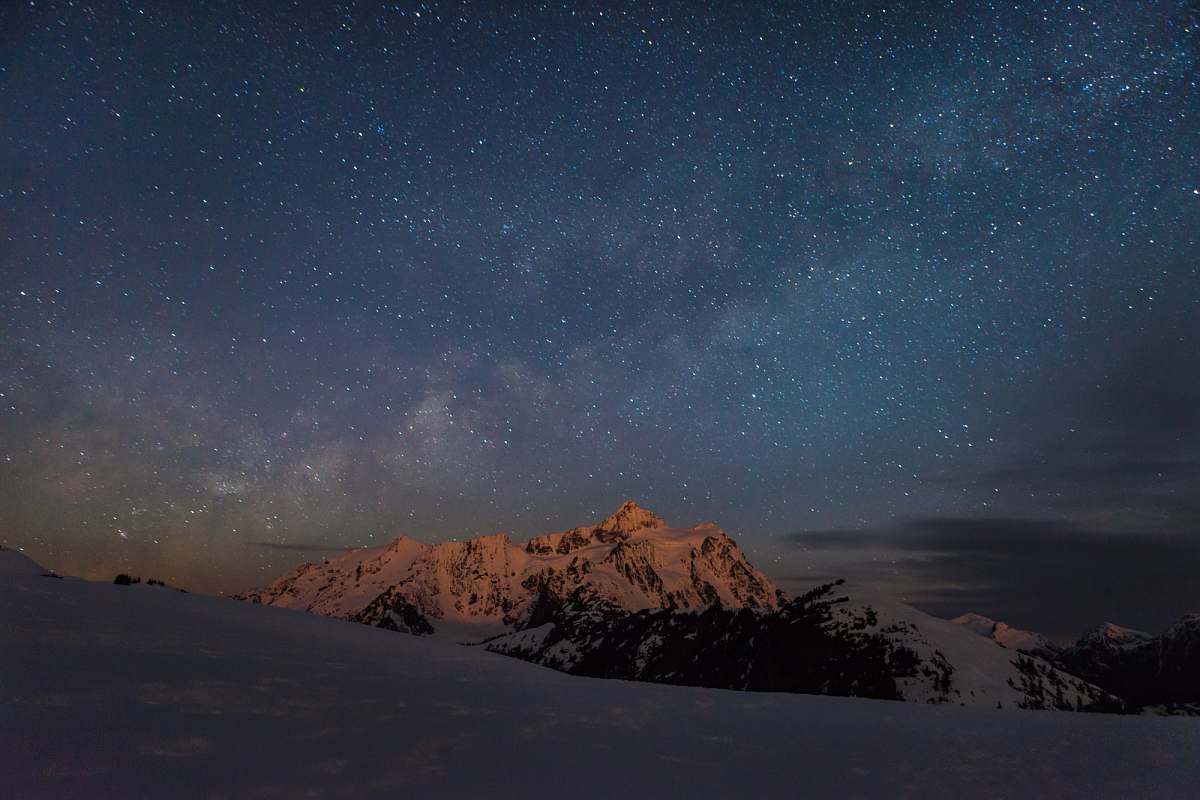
column 136, row 691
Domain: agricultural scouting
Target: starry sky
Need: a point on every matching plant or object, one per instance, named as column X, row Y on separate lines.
column 903, row 290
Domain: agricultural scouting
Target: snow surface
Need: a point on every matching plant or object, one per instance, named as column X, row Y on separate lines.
column 125, row 691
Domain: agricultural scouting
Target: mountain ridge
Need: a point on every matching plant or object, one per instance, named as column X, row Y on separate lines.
column 633, row 597
column 1159, row 673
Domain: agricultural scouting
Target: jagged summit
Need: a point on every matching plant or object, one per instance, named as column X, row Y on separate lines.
column 631, row 517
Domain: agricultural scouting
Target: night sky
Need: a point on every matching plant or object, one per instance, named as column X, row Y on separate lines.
column 904, row 291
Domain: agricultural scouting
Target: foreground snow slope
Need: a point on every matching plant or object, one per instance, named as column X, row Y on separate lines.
column 115, row 691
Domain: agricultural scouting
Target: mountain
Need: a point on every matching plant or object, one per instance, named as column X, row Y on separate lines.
column 1110, row 637
column 487, row 585
column 1161, row 673
column 632, row 597
column 109, row 692
column 1005, row 635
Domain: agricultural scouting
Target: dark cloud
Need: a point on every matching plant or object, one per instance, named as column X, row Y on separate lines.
column 1043, row 574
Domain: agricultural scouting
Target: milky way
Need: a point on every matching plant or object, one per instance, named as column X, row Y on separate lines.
column 307, row 277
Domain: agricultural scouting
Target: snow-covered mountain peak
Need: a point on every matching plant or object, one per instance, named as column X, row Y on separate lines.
column 1144, row 670
column 976, row 623
column 488, row 584
column 1004, row 634
column 631, row 517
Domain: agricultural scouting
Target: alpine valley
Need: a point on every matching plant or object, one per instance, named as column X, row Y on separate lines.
column 634, row 598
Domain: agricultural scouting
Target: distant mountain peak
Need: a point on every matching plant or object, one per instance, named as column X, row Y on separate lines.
column 977, row 623
column 631, row 517
column 1143, row 669
column 1117, row 634
column 1004, row 634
